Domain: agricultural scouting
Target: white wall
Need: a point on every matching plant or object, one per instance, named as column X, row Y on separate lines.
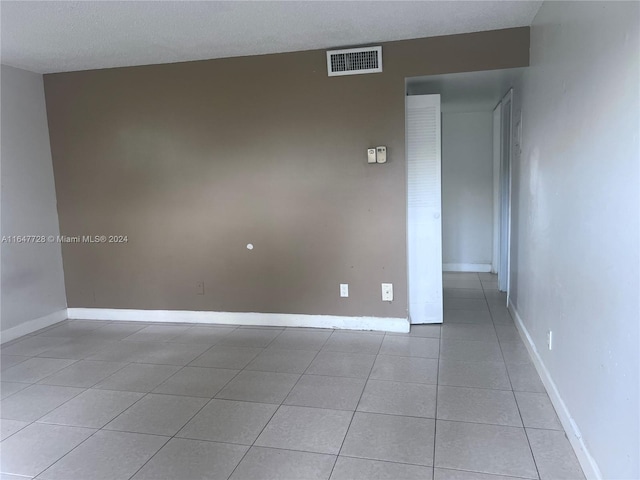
column 467, row 190
column 33, row 293
column 575, row 268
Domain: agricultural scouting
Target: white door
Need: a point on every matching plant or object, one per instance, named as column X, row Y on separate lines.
column 424, row 208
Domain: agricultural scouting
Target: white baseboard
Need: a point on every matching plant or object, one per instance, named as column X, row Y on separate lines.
column 587, row 462
column 31, row 326
column 385, row 324
column 466, row 267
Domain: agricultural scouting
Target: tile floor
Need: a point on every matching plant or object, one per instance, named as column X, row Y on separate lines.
column 86, row 400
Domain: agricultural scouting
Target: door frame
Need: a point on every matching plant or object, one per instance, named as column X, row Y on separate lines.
column 497, row 131
column 503, row 187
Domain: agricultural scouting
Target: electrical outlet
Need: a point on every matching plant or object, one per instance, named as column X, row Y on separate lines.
column 387, row 292
column 200, row 288
column 344, row 290
column 550, row 340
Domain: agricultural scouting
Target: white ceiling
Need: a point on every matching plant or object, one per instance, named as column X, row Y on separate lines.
column 63, row 36
column 466, row 92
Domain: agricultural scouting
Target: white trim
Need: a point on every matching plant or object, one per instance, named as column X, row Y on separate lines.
column 504, row 271
column 31, row 326
column 385, row 324
column 497, row 136
column 587, row 462
column 466, row 267
column 509, row 207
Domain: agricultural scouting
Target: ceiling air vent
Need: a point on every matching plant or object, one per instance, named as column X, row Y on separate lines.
column 354, row 61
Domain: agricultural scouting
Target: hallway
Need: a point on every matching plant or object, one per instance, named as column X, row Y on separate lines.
column 487, row 380
column 116, row 400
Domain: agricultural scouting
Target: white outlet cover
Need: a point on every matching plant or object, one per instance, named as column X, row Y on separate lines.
column 387, row 292
column 344, row 290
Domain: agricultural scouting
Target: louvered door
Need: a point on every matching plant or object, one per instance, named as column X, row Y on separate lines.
column 424, row 208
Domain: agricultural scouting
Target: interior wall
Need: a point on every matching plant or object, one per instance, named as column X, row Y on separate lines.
column 576, row 267
column 193, row 161
column 467, row 190
column 32, row 275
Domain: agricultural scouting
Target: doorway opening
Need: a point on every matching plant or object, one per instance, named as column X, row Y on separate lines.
column 475, row 141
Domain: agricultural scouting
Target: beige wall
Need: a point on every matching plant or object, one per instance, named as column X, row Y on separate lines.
column 195, row 160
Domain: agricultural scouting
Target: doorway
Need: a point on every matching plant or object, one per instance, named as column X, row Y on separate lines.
column 475, row 182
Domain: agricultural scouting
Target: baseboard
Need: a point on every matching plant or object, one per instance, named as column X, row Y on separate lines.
column 587, row 462
column 466, row 267
column 31, row 326
column 385, row 324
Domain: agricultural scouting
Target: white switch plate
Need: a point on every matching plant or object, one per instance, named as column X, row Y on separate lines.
column 550, row 340
column 344, row 290
column 387, row 292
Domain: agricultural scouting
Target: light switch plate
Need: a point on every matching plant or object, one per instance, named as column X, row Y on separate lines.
column 371, row 155
column 344, row 290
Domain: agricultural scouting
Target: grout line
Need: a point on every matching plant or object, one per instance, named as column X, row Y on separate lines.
column 309, row 366
column 192, row 417
column 63, row 456
column 90, row 386
column 20, row 429
column 281, row 403
column 512, row 391
column 526, row 434
column 435, row 421
column 487, row 474
column 56, row 407
column 471, row 422
column 278, row 406
column 388, row 461
column 358, row 403
column 144, row 395
column 165, row 443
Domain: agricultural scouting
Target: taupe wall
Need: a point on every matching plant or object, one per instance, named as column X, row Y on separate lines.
column 195, row 160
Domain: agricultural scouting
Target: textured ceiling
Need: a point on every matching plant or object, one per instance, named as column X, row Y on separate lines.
column 62, row 36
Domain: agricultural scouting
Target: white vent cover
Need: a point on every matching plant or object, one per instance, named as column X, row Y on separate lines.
column 354, row 61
